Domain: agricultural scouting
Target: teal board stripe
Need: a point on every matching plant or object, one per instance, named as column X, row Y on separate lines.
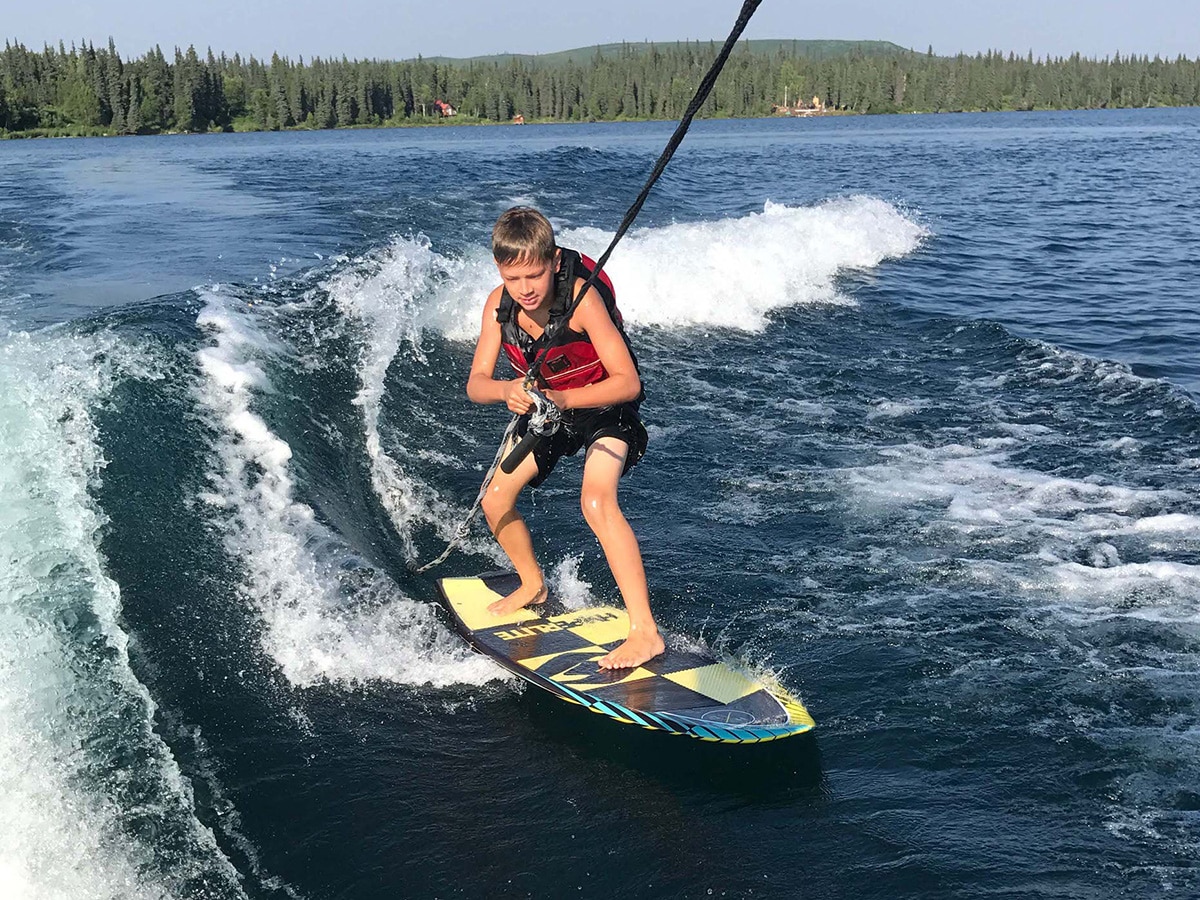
column 574, row 695
column 632, row 715
column 660, row 722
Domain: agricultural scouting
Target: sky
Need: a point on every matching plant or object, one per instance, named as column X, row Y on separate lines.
column 400, row 29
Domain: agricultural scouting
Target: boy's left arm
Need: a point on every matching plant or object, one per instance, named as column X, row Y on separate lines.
column 622, row 384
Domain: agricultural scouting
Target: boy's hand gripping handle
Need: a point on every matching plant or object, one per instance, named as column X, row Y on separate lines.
column 543, row 422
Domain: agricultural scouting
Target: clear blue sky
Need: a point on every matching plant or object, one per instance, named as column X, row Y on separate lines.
column 397, row 29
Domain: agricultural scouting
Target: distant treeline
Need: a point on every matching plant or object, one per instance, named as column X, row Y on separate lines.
column 88, row 91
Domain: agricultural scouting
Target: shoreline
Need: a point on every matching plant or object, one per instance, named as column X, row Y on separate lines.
column 47, row 134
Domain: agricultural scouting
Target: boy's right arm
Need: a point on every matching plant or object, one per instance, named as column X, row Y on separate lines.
column 482, row 386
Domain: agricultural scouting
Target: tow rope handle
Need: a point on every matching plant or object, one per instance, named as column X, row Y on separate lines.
column 517, row 456
column 543, row 424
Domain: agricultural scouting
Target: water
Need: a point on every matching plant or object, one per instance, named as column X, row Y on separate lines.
column 923, row 417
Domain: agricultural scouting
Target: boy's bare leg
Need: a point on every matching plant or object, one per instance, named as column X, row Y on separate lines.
column 601, row 473
column 500, row 508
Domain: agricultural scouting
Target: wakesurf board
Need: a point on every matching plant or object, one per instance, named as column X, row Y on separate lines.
column 681, row 691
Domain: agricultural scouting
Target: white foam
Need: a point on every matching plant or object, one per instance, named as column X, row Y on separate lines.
column 1104, row 555
column 1116, row 380
column 895, row 409
column 731, row 273
column 977, row 484
column 1126, row 446
column 565, row 583
column 81, row 769
column 735, row 272
column 977, row 497
column 1156, row 590
column 327, row 615
column 803, row 409
column 1178, row 523
column 388, row 295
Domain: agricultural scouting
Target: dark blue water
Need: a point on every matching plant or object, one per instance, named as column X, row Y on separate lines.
column 923, row 416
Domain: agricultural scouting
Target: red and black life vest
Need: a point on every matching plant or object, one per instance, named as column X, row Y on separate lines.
column 572, row 362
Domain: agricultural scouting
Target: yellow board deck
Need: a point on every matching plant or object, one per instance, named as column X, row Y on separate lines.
column 681, row 692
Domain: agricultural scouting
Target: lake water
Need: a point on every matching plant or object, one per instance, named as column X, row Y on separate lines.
column 922, row 398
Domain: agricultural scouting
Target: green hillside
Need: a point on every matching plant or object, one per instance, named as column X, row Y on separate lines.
column 816, row 50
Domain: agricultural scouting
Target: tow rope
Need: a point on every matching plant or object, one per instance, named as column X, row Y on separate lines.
column 523, row 449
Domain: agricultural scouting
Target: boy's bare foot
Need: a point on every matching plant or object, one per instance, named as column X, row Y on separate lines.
column 519, row 599
column 640, row 646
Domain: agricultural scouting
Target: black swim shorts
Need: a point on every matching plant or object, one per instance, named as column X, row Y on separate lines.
column 580, row 428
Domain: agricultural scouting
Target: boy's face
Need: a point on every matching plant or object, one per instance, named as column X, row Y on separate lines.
column 530, row 282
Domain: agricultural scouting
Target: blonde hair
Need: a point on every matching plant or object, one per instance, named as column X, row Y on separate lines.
column 522, row 234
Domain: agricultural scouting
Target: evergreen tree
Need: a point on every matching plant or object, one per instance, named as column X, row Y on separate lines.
column 78, row 103
column 114, row 84
column 280, row 108
column 192, row 94
column 133, row 90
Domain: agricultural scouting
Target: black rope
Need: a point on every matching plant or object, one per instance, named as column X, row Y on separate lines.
column 702, row 92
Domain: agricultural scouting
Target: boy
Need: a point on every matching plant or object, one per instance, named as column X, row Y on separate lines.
column 590, row 375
